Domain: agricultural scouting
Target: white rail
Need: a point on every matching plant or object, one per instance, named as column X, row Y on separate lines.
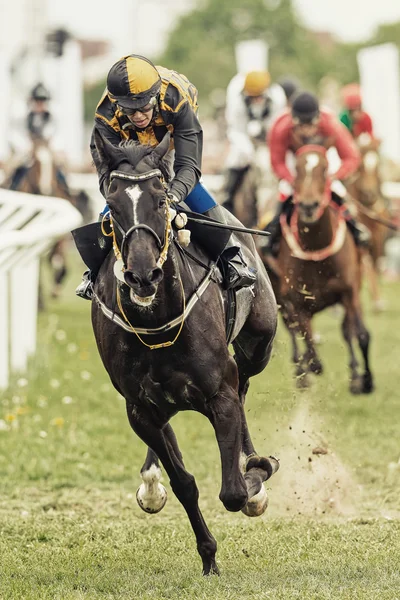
column 28, row 226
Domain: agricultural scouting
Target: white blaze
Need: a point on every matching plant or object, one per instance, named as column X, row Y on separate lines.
column 370, row 160
column 134, row 192
column 312, row 161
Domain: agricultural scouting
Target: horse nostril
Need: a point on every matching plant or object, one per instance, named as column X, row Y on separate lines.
column 156, row 275
column 132, row 278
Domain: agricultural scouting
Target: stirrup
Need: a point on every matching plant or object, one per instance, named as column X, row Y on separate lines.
column 85, row 288
column 238, row 274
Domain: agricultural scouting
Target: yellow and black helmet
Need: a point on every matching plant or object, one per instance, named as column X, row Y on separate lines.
column 133, row 81
column 256, row 83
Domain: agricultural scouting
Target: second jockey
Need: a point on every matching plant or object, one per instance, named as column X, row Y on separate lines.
column 252, row 103
column 353, row 116
column 143, row 102
column 306, row 124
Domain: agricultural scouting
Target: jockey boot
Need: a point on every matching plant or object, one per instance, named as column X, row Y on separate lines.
column 93, row 247
column 360, row 233
column 272, row 244
column 233, row 182
column 236, row 272
column 18, row 176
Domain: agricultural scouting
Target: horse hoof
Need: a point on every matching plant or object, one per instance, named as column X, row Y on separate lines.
column 151, row 502
column 302, row 382
column 367, row 383
column 211, row 569
column 257, row 505
column 316, row 367
column 379, row 306
column 356, row 386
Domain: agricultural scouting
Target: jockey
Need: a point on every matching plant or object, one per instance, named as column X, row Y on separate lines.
column 39, row 120
column 38, row 124
column 305, row 124
column 353, row 116
column 252, row 103
column 143, row 102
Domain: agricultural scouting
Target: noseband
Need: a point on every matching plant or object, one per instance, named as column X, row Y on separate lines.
column 162, row 246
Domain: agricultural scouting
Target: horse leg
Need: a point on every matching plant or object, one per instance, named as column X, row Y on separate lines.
column 310, row 358
column 183, row 485
column 57, row 259
column 364, row 337
column 349, row 332
column 226, row 418
column 151, row 494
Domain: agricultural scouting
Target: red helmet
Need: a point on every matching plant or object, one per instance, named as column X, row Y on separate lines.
column 351, row 95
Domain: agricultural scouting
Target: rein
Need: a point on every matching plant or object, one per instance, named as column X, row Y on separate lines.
column 313, row 255
column 164, row 247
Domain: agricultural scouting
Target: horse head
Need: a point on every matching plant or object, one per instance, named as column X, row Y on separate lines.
column 368, row 182
column 139, row 210
column 311, row 185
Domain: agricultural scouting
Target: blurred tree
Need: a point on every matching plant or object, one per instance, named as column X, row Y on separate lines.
column 202, row 43
column 92, row 97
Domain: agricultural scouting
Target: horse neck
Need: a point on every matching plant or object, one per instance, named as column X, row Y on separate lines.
column 318, row 235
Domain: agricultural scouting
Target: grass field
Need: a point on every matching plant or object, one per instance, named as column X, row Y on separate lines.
column 69, row 470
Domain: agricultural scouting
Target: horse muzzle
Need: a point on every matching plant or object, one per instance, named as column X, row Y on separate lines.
column 143, row 287
column 308, row 211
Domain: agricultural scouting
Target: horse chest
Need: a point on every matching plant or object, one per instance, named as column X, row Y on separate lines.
column 169, row 393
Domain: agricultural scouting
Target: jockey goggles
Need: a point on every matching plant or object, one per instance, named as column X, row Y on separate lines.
column 144, row 109
column 306, row 121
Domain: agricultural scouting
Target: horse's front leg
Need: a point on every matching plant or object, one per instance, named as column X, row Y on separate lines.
column 151, row 494
column 183, row 483
column 310, row 358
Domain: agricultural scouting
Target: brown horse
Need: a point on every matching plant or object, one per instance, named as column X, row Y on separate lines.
column 318, row 266
column 366, row 191
column 41, row 176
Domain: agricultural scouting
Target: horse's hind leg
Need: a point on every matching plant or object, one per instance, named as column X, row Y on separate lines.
column 151, row 494
column 349, row 332
column 363, row 337
column 183, row 485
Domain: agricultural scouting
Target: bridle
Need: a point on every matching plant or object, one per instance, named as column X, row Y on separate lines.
column 162, row 246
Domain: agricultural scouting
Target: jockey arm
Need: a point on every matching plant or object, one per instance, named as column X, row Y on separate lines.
column 346, row 149
column 237, row 119
column 278, row 141
column 188, row 144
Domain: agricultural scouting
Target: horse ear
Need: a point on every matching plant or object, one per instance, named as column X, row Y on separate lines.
column 163, row 147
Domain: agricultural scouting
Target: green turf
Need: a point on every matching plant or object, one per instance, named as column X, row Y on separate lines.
column 70, row 527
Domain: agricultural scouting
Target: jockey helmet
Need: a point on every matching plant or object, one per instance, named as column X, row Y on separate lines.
column 305, row 108
column 256, row 83
column 351, row 95
column 133, row 82
column 39, row 92
column 290, row 86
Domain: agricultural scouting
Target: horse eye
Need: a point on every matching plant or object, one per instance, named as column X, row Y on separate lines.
column 161, row 201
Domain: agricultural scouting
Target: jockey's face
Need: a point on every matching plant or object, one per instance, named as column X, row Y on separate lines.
column 141, row 119
column 306, row 130
column 356, row 113
column 39, row 106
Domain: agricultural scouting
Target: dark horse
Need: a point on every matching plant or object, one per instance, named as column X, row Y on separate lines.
column 153, row 284
column 318, row 266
